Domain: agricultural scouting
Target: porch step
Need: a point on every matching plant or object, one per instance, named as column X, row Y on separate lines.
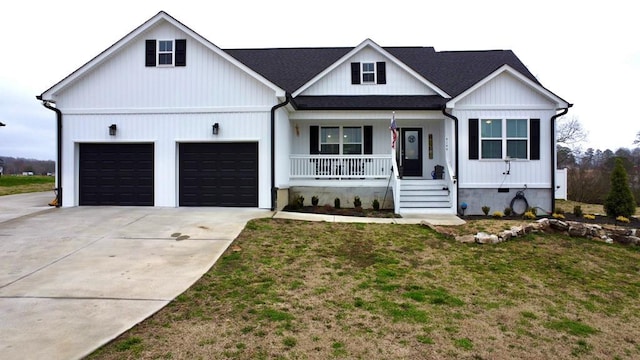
column 417, row 195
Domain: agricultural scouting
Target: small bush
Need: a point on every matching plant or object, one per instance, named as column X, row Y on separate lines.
column 497, row 214
column 589, row 216
column 533, row 210
column 623, row 219
column 619, row 201
column 507, row 211
column 529, row 215
column 486, row 209
column 356, row 202
column 556, row 215
column 577, row 211
column 314, row 200
column 375, row 205
column 558, row 211
column 298, row 202
column 336, row 203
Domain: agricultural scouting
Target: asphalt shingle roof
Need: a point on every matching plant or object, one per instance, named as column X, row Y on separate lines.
column 452, row 71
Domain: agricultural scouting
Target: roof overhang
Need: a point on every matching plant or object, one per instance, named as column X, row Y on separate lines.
column 370, row 43
column 161, row 16
column 370, row 102
column 559, row 102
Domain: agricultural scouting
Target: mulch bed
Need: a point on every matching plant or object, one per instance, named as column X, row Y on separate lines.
column 330, row 210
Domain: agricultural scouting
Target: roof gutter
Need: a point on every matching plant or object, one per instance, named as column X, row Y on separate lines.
column 553, row 157
column 47, row 104
column 273, row 148
column 455, row 126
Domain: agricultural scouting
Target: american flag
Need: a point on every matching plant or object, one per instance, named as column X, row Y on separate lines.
column 394, row 131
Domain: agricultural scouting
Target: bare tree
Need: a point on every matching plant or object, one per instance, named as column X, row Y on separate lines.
column 637, row 140
column 569, row 131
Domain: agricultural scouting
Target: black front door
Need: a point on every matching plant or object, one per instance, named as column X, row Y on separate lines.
column 411, row 151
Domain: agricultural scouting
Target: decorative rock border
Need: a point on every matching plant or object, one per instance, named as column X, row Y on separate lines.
column 625, row 236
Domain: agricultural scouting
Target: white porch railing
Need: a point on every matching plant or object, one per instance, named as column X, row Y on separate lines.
column 340, row 166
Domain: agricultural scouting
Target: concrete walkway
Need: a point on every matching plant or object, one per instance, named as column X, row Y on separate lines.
column 433, row 219
column 73, row 279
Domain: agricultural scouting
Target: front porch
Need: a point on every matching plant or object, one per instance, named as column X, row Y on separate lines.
column 370, row 177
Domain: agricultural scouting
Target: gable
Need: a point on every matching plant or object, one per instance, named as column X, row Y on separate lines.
column 339, row 80
column 123, row 80
column 506, row 89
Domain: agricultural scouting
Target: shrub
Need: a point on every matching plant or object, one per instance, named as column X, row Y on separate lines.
column 497, row 214
column 556, row 215
column 507, row 211
column 298, row 202
column 534, row 211
column 558, row 211
column 375, row 205
column 336, row 203
column 589, row 216
column 314, row 200
column 486, row 209
column 577, row 211
column 529, row 215
column 622, row 219
column 619, row 201
column 356, row 202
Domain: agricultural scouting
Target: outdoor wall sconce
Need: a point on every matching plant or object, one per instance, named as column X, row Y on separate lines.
column 112, row 129
column 215, row 128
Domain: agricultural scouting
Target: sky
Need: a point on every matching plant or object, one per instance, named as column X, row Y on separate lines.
column 586, row 52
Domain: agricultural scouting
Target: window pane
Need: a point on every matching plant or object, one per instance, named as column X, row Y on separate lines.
column 165, row 59
column 491, row 149
column 352, row 135
column 517, row 128
column 330, row 149
column 166, row 46
column 368, row 78
column 517, row 149
column 351, row 149
column 368, row 67
column 491, row 128
column 330, row 135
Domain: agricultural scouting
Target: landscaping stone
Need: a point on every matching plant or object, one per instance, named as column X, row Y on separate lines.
column 577, row 230
column 466, row 239
column 484, row 238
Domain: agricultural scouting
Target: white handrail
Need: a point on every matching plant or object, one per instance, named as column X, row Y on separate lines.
column 340, row 166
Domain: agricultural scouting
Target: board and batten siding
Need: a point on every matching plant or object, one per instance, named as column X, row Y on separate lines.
column 338, row 81
column 165, row 131
column 123, row 81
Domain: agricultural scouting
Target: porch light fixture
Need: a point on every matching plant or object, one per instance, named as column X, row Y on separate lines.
column 215, row 128
column 112, row 129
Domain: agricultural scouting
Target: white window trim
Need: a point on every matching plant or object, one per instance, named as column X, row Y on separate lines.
column 172, row 52
column 503, row 139
column 374, row 72
column 341, row 142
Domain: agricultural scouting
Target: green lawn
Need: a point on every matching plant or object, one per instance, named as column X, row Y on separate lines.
column 299, row 290
column 12, row 184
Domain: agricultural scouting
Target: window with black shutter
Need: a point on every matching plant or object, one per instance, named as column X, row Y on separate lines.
column 165, row 53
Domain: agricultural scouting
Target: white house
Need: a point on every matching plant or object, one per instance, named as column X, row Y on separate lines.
column 166, row 118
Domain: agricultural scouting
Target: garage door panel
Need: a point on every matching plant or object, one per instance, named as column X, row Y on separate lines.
column 116, row 174
column 218, row 174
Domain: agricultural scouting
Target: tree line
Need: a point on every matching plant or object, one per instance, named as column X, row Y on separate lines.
column 13, row 166
column 589, row 171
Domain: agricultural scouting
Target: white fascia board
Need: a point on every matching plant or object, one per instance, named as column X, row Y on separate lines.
column 371, row 43
column 560, row 103
column 106, row 54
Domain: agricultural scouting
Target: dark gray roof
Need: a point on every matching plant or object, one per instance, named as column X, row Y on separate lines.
column 452, row 71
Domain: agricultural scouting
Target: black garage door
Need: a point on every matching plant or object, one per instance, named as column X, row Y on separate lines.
column 220, row 174
column 116, row 174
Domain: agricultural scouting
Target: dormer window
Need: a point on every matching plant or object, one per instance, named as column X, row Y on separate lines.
column 368, row 73
column 165, row 53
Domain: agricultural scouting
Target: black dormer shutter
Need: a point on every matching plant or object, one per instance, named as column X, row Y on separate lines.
column 368, row 140
column 534, row 147
column 355, row 73
column 473, row 139
column 381, row 70
column 314, row 140
column 181, row 52
column 150, row 53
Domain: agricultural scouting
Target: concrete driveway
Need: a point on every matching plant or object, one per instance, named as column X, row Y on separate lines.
column 72, row 279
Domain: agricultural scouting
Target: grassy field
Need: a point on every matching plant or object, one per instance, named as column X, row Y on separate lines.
column 299, row 290
column 10, row 184
column 567, row 206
